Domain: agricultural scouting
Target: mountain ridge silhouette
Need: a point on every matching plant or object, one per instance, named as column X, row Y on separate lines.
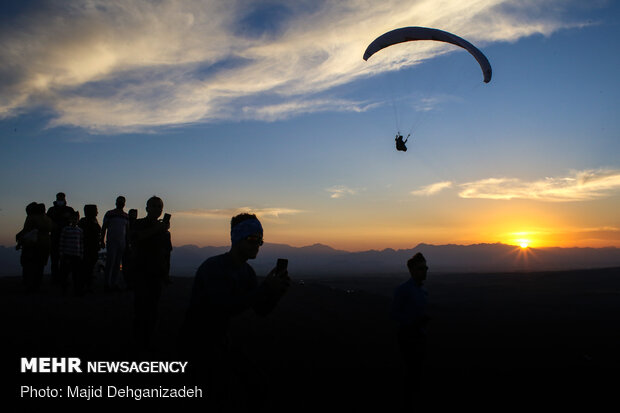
column 320, row 259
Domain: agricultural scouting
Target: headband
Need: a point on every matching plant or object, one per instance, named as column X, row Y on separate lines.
column 244, row 229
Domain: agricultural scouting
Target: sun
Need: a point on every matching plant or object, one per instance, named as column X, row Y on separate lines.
column 524, row 243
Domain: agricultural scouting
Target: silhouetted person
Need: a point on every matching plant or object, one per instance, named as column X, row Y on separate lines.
column 128, row 259
column 149, row 241
column 400, row 144
column 60, row 214
column 71, row 249
column 92, row 244
column 409, row 310
column 224, row 287
column 115, row 226
column 34, row 241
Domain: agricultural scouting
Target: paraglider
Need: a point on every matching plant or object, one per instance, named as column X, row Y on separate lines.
column 400, row 144
column 407, row 34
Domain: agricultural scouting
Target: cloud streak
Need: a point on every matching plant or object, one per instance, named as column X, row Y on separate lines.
column 230, row 212
column 295, row 107
column 432, row 189
column 340, row 191
column 577, row 186
column 122, row 66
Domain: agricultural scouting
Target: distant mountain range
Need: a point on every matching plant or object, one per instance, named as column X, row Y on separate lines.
column 320, row 260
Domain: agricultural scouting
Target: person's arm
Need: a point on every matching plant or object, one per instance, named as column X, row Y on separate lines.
column 215, row 295
column 275, row 286
column 104, row 228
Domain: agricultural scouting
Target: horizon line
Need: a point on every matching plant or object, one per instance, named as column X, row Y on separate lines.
column 400, row 249
column 385, row 248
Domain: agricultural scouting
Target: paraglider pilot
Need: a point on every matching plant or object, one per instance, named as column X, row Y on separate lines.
column 400, row 144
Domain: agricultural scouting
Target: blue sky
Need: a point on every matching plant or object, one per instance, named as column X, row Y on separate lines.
column 221, row 107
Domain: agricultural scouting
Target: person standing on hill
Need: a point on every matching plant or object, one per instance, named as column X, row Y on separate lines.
column 34, row 241
column 128, row 260
column 115, row 226
column 60, row 214
column 71, row 249
column 150, row 240
column 409, row 310
column 224, row 287
column 92, row 236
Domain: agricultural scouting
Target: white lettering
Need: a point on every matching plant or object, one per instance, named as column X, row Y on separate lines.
column 51, row 365
column 74, row 365
column 44, row 365
column 29, row 391
column 29, row 365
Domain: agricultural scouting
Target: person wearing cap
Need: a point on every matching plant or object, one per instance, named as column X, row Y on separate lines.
column 224, row 287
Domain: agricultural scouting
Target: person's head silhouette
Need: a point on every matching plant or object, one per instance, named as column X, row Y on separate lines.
column 417, row 268
column 154, row 207
column 246, row 235
column 90, row 211
column 60, row 199
column 120, row 202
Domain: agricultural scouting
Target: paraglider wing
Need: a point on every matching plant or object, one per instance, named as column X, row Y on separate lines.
column 407, row 34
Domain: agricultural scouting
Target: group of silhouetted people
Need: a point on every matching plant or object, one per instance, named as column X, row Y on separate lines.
column 224, row 287
column 141, row 247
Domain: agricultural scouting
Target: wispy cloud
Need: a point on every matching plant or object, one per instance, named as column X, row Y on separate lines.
column 578, row 186
column 115, row 65
column 295, row 107
column 340, row 191
column 432, row 189
column 230, row 212
column 431, row 103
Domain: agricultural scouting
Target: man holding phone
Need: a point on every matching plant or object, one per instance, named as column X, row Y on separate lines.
column 225, row 286
column 150, row 243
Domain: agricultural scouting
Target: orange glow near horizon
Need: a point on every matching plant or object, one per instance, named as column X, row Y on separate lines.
column 300, row 231
column 358, row 240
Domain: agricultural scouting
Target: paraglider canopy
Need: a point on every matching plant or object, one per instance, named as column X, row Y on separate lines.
column 406, row 34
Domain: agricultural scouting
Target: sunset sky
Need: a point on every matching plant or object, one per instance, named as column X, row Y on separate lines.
column 220, row 107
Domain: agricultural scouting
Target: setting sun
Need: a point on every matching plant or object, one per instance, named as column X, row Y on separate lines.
column 519, row 239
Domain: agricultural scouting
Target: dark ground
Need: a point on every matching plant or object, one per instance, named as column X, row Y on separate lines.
column 517, row 338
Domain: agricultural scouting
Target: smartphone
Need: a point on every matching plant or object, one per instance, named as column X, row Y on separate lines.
column 281, row 265
column 166, row 217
